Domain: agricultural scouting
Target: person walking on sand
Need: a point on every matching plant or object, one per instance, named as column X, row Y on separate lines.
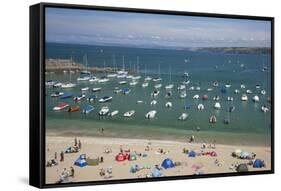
column 56, row 156
column 79, row 144
column 62, row 156
column 72, row 172
column 75, row 142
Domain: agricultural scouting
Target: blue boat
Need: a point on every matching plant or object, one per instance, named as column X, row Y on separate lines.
column 88, row 109
column 187, row 106
column 92, row 98
column 66, row 95
column 126, row 90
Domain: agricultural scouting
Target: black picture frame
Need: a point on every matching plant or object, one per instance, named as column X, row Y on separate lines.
column 37, row 93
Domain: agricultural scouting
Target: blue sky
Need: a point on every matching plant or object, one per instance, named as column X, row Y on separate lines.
column 149, row 30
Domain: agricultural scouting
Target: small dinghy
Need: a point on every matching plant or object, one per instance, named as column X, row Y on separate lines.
column 205, row 97
column 155, row 93
column 264, row 109
column 256, row 98
column 196, row 96
column 85, row 89
column 104, row 111
column 200, row 107
column 168, row 104
column 153, row 102
column 216, row 98
column 105, row 99
column 79, row 98
column 217, row 105
column 113, row 113
column 229, row 98
column 244, row 97
column 96, row 89
column 66, row 95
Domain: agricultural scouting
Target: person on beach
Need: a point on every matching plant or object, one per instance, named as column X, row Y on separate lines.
column 62, row 156
column 192, row 139
column 102, row 130
column 72, row 172
column 79, row 145
column 55, row 156
column 101, row 159
column 75, row 142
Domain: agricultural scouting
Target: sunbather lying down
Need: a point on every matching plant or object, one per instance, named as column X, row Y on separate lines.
column 51, row 163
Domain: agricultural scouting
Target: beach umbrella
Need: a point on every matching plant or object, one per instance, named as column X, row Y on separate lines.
column 168, row 163
column 242, row 168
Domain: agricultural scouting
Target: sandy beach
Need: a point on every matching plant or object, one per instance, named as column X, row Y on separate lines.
column 95, row 147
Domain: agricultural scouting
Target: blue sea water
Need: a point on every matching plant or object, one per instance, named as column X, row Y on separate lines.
column 248, row 125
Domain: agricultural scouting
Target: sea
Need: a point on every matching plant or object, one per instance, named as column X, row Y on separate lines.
column 248, row 125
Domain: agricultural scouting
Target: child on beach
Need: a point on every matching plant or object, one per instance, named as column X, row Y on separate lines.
column 71, row 172
column 79, row 145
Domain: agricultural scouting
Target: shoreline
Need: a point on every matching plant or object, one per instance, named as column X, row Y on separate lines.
column 95, row 147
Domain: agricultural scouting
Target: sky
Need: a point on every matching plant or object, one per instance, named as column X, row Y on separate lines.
column 92, row 27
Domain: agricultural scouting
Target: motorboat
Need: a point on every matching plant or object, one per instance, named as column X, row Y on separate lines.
column 104, row 111
column 181, row 87
column 153, row 102
column 264, row 109
column 242, row 86
column 113, row 113
column 215, row 84
column 216, row 98
column 145, row 84
column 68, row 85
column 169, row 86
column 200, row 106
column 155, row 93
column 256, row 98
column 103, row 80
column 183, row 95
column 79, row 98
column 168, row 104
column 57, row 85
column 66, row 95
column 244, row 97
column 122, row 82
column 85, row 89
column 60, row 106
column 57, row 94
column 229, row 98
column 126, row 91
column 196, row 96
column 249, row 91
column 263, row 92
column 93, row 79
column 83, row 78
column 217, row 105
column 105, row 99
column 183, row 117
column 236, row 91
column 129, row 113
column 157, row 86
column 197, row 88
column 96, row 89
column 133, row 83
column 151, row 114
column 92, row 98
column 213, row 119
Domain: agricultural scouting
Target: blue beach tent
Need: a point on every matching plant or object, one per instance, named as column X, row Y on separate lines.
column 192, row 154
column 258, row 163
column 81, row 161
column 168, row 163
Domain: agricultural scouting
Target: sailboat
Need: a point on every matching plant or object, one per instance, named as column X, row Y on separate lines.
column 157, row 79
column 103, row 79
column 69, row 84
column 122, row 73
column 145, row 83
column 112, row 75
column 85, row 74
column 170, row 86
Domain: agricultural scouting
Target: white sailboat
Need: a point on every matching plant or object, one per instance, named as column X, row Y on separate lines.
column 129, row 113
column 170, row 86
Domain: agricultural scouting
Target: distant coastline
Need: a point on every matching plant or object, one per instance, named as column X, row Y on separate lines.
column 237, row 50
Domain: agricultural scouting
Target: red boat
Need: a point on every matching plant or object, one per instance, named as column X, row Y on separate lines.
column 73, row 109
column 60, row 106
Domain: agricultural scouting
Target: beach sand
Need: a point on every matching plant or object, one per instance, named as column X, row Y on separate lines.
column 95, row 147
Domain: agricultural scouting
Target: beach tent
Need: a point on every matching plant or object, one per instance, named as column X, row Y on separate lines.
column 258, row 163
column 213, row 154
column 242, row 168
column 81, row 161
column 132, row 157
column 92, row 162
column 156, row 173
column 192, row 154
column 245, row 155
column 120, row 157
column 167, row 163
